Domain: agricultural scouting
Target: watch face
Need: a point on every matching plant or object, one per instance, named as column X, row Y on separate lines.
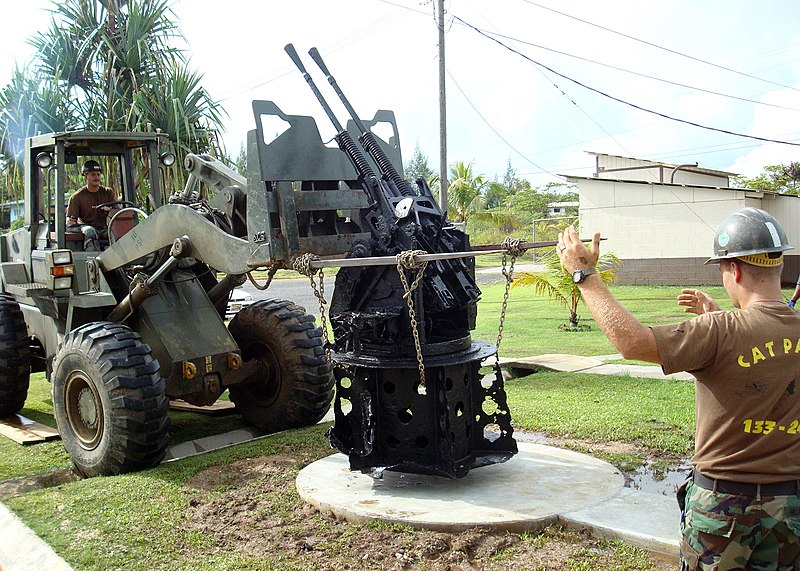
column 578, row 276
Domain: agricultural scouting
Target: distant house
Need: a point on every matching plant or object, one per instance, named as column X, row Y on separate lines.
column 556, row 209
column 660, row 219
column 10, row 211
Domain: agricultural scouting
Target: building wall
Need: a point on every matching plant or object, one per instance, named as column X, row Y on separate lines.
column 688, row 271
column 663, row 233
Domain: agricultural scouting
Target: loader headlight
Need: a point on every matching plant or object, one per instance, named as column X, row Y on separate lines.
column 44, row 160
column 167, row 159
column 61, row 257
column 62, row 283
column 61, row 269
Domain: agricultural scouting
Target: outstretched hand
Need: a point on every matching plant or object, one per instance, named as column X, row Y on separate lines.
column 572, row 252
column 696, row 301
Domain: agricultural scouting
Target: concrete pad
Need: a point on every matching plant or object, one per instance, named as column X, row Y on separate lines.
column 539, row 486
column 640, row 371
column 593, row 365
column 23, row 550
column 528, row 491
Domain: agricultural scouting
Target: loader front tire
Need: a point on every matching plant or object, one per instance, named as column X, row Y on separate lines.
column 298, row 387
column 15, row 357
column 108, row 400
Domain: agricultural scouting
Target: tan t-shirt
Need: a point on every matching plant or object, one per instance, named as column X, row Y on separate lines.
column 82, row 206
column 747, row 365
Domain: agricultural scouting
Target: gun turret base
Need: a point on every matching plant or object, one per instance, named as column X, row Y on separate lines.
column 386, row 420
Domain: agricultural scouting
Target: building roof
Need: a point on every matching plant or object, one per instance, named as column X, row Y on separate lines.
column 693, row 168
column 574, row 178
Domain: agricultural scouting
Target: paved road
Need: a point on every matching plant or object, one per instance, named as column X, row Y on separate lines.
column 296, row 290
column 299, row 290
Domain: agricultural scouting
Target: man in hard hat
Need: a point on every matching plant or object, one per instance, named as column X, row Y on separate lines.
column 83, row 212
column 741, row 508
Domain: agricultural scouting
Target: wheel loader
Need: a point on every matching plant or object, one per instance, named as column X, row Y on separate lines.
column 120, row 334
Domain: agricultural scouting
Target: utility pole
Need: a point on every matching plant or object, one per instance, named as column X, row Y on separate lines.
column 442, row 114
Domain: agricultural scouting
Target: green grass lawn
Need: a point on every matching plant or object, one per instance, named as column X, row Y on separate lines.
column 531, row 324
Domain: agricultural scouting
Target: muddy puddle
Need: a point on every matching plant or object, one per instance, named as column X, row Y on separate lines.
column 649, row 478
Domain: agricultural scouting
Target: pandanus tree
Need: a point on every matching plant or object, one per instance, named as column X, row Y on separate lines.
column 110, row 65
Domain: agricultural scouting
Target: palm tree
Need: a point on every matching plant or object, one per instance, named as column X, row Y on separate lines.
column 466, row 198
column 556, row 283
column 465, row 193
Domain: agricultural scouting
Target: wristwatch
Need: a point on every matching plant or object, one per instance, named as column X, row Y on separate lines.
column 578, row 276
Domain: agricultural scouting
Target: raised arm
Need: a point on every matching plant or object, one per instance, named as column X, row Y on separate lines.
column 632, row 339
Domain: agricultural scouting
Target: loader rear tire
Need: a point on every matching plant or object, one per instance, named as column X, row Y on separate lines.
column 15, row 357
column 298, row 388
column 108, row 400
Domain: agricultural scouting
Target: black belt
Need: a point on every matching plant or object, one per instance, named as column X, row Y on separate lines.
column 788, row 488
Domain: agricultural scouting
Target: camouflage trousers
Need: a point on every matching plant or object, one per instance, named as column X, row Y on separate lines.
column 722, row 532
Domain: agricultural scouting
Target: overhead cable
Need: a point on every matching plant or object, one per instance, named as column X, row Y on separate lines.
column 661, row 47
column 495, row 131
column 639, row 74
column 617, row 99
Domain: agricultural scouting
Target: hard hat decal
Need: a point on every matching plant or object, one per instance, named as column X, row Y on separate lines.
column 723, row 239
column 776, row 240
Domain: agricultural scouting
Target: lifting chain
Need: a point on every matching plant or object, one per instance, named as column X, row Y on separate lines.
column 271, row 271
column 302, row 265
column 513, row 248
column 408, row 260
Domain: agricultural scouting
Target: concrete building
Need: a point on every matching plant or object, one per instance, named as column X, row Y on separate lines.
column 660, row 219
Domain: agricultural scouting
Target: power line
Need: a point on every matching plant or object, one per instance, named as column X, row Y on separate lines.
column 574, row 103
column 617, row 99
column 660, row 47
column 654, row 78
column 495, row 131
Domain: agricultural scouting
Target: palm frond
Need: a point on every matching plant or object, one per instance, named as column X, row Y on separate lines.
column 556, row 283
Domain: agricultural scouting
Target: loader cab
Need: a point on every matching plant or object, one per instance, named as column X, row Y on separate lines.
column 52, row 165
column 52, row 169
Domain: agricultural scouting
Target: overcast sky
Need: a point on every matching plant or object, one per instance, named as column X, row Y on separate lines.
column 502, row 106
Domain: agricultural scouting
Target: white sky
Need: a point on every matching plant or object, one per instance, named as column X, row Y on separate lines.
column 384, row 56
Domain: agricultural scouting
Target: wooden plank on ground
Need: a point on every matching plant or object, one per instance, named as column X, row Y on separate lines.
column 219, row 408
column 26, row 431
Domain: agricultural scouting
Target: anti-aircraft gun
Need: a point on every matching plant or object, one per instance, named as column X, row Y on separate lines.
column 122, row 331
column 408, row 368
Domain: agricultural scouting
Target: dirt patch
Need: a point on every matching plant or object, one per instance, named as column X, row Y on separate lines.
column 251, row 507
column 17, row 486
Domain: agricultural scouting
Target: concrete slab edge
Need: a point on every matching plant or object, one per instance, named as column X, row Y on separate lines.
column 23, row 550
column 647, row 542
column 575, row 522
column 515, row 526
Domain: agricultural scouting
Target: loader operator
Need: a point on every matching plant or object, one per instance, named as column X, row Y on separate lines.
column 741, row 506
column 82, row 212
